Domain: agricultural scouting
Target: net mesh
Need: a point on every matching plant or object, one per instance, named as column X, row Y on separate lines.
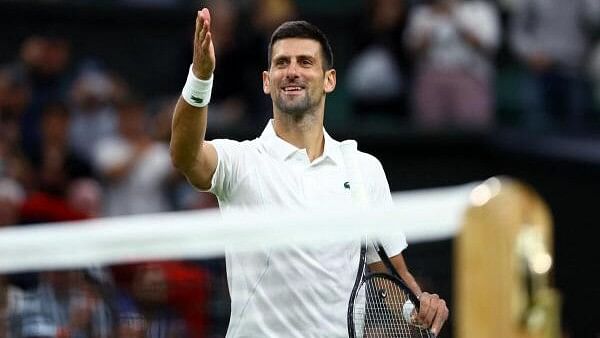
column 164, row 275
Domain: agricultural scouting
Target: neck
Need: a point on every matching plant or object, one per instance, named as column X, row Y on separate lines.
column 304, row 132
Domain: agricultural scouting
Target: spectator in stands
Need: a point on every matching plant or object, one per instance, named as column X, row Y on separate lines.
column 84, row 195
column 135, row 168
column 378, row 72
column 142, row 306
column 64, row 305
column 14, row 165
column 162, row 300
column 56, row 165
column 15, row 95
column 551, row 39
column 44, row 61
column 54, row 159
column 94, row 115
column 453, row 43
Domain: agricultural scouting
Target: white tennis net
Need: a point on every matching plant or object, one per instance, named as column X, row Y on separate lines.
column 112, row 270
column 421, row 215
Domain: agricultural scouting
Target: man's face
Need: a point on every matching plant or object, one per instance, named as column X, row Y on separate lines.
column 296, row 79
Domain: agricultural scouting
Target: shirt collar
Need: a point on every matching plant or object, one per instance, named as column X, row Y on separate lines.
column 283, row 150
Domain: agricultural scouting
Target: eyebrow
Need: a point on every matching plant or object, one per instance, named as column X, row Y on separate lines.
column 300, row 57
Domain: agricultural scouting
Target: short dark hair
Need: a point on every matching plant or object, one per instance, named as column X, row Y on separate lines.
column 303, row 30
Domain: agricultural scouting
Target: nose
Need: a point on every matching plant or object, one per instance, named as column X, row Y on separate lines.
column 292, row 71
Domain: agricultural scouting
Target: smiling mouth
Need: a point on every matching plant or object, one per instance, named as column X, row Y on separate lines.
column 292, row 89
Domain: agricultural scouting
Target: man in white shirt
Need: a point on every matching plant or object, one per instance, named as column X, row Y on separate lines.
column 294, row 164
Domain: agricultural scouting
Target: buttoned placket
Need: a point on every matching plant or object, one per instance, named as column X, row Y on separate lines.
column 311, row 174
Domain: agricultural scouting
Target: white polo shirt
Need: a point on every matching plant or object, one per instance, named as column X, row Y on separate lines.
column 270, row 295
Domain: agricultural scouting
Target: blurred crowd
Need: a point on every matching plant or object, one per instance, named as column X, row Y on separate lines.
column 480, row 65
column 77, row 141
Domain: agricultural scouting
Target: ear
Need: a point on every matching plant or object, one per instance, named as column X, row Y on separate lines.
column 266, row 82
column 329, row 81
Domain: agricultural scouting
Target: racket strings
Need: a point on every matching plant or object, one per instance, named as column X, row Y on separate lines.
column 379, row 311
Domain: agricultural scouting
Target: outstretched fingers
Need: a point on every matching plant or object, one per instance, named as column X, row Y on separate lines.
column 205, row 31
column 199, row 26
column 206, row 43
column 202, row 28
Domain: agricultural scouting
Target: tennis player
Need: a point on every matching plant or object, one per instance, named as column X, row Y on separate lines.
column 294, row 164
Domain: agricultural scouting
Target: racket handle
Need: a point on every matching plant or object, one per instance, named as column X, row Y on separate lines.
column 409, row 312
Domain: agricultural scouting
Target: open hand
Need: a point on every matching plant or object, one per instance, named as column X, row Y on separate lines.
column 204, row 50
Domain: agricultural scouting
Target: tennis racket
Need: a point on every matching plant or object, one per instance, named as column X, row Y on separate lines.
column 381, row 304
column 384, row 306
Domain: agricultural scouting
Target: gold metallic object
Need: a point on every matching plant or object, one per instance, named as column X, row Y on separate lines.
column 504, row 265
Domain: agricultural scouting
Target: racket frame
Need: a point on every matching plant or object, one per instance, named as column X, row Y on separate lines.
column 363, row 277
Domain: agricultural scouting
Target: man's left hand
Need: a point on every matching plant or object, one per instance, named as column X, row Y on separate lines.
column 433, row 312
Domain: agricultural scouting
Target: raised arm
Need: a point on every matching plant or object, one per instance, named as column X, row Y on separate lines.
column 191, row 154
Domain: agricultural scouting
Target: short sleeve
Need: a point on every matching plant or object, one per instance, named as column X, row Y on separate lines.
column 229, row 167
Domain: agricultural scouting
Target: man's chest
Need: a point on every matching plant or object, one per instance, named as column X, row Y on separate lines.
column 295, row 183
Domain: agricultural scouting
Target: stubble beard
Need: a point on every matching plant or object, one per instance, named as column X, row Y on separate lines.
column 297, row 107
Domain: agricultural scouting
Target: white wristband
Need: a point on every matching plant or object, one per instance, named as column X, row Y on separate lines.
column 197, row 92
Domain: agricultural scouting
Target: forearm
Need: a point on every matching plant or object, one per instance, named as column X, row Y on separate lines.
column 433, row 311
column 188, row 128
column 411, row 282
column 188, row 131
column 400, row 266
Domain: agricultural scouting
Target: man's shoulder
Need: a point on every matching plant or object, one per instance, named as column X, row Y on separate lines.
column 230, row 143
column 234, row 151
column 363, row 158
column 368, row 159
